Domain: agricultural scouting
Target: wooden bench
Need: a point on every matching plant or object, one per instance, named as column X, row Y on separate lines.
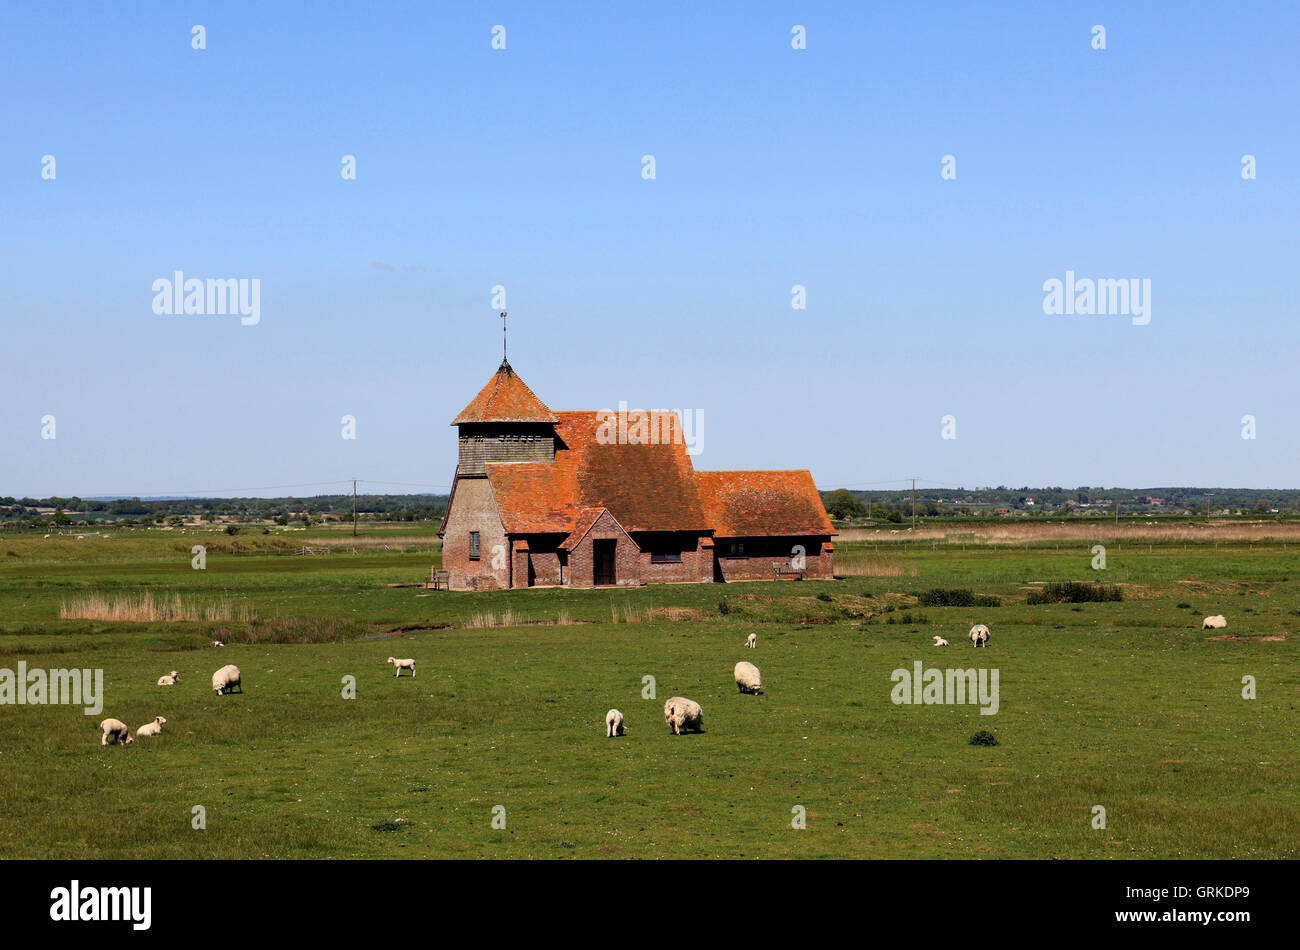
column 439, row 580
column 779, row 571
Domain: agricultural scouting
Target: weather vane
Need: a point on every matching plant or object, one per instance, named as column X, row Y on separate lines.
column 503, row 337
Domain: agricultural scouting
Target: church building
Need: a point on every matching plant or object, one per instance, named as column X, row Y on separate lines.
column 585, row 499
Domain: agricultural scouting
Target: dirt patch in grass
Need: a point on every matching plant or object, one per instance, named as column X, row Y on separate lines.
column 408, row 627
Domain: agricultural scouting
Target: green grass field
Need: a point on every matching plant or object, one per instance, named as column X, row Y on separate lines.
column 1127, row 705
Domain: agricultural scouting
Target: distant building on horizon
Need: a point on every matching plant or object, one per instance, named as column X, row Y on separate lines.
column 580, row 499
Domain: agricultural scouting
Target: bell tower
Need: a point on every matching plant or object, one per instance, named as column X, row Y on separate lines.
column 505, row 422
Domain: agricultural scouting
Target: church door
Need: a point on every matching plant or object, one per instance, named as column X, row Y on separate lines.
column 603, row 556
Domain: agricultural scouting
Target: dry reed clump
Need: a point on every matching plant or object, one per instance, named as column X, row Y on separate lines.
column 871, row 567
column 676, row 613
column 482, row 621
column 148, row 608
column 630, row 615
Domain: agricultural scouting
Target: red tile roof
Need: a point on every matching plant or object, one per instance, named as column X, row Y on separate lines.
column 505, row 398
column 587, row 519
column 762, row 504
column 649, row 487
column 646, row 487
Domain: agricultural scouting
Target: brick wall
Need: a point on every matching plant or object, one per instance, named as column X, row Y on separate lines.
column 627, row 556
column 546, row 567
column 759, row 567
column 474, row 509
column 519, row 564
column 696, row 566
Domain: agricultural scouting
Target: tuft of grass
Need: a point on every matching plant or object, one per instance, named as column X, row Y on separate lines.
column 1073, row 592
column 984, row 737
column 955, row 597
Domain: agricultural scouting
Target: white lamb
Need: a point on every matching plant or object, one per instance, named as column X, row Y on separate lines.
column 117, row 729
column 217, row 643
column 1217, row 622
column 940, row 641
column 979, row 635
column 407, row 664
column 151, row 728
column 171, row 679
column 748, row 679
column 226, row 679
column 751, row 641
column 613, row 724
column 682, row 714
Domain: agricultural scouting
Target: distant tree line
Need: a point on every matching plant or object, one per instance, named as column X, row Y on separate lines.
column 1054, row 501
column 57, row 511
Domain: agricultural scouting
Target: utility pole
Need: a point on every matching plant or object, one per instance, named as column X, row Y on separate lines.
column 914, row 504
column 354, row 507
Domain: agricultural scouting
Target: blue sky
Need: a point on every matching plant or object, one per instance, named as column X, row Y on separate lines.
column 774, row 167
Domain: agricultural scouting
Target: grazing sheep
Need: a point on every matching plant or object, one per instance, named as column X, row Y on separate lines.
column 226, row 679
column 407, row 664
column 1217, row 622
column 171, row 679
column 151, row 728
column 682, row 714
column 217, row 643
column 940, row 641
column 117, row 729
column 748, row 679
column 613, row 724
column 751, row 641
column 979, row 635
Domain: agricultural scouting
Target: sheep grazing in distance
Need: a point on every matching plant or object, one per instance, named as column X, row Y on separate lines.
column 614, row 724
column 748, row 679
column 940, row 641
column 171, row 679
column 751, row 641
column 682, row 714
column 979, row 635
column 117, row 729
column 151, row 728
column 407, row 664
column 226, row 679
column 217, row 643
column 1217, row 622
